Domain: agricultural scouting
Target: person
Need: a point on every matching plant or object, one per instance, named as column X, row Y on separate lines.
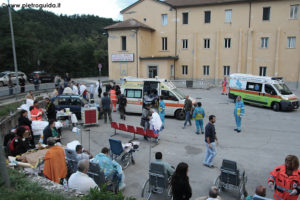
column 260, row 194
column 146, row 116
column 99, row 87
column 75, row 88
column 36, row 82
column 36, row 113
column 82, row 154
column 224, row 86
column 55, row 168
column 158, row 159
column 108, row 87
column 61, row 89
column 92, row 91
column 109, row 166
column 285, row 179
column 24, row 121
column 113, row 97
column 55, row 92
column 106, row 106
column 122, row 106
column 19, row 144
column 22, row 83
column 161, row 110
column 30, row 95
column 210, row 139
column 80, row 181
column 10, row 85
column 181, row 188
column 83, row 91
column 155, row 123
column 199, row 114
column 67, row 79
column 50, row 109
column 51, row 131
column 212, row 195
column 57, row 80
column 239, row 111
column 188, row 111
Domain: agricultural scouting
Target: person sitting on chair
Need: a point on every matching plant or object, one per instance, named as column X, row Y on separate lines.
column 80, row 181
column 82, row 154
column 109, row 166
column 158, row 159
column 36, row 113
column 260, row 194
column 51, row 131
column 212, row 195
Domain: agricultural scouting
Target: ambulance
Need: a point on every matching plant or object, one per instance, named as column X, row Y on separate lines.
column 135, row 90
column 263, row 91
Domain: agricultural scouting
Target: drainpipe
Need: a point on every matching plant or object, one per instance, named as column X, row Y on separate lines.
column 250, row 10
column 175, row 42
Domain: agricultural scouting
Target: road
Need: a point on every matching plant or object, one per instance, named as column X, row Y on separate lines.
column 267, row 137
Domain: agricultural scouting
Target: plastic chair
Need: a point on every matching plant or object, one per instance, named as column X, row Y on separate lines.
column 122, row 127
column 131, row 129
column 115, row 126
column 140, row 131
column 151, row 134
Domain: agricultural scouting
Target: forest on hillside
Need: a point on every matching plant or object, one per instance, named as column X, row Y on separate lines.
column 54, row 43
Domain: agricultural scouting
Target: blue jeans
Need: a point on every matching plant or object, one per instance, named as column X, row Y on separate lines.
column 238, row 121
column 199, row 124
column 162, row 117
column 210, row 153
column 187, row 118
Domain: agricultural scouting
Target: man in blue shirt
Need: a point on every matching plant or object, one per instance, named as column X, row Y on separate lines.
column 162, row 111
column 199, row 114
column 210, row 138
column 239, row 111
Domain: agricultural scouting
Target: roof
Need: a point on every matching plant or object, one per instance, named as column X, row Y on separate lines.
column 160, row 58
column 132, row 5
column 128, row 24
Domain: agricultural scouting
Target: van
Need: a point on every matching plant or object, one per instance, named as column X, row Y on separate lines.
column 263, row 91
column 136, row 89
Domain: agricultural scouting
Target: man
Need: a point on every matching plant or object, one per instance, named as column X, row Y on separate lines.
column 36, row 82
column 10, row 85
column 109, row 166
column 99, row 87
column 122, row 106
column 55, row 167
column 212, row 195
column 285, row 179
column 67, row 79
column 146, row 116
column 74, row 88
column 30, row 95
column 51, row 131
column 80, row 181
column 106, row 106
column 92, row 91
column 188, row 110
column 36, row 113
column 199, row 114
column 108, row 88
column 50, row 109
column 161, row 110
column 158, row 159
column 210, row 139
column 82, row 154
column 260, row 194
column 239, row 111
column 113, row 97
column 224, row 86
column 22, row 83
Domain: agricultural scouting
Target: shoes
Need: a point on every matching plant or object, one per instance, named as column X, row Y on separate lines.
column 238, row 131
column 146, row 138
column 235, row 129
column 190, row 124
column 197, row 133
column 209, row 166
column 202, row 132
column 183, row 127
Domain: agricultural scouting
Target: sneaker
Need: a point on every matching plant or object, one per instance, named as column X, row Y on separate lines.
column 235, row 129
column 239, row 131
column 202, row 132
column 146, row 138
column 197, row 133
column 183, row 127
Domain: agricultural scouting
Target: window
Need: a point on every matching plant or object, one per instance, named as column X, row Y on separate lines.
column 262, row 71
column 294, row 12
column 264, row 42
column 226, row 70
column 207, row 17
column 164, row 43
column 291, row 42
column 270, row 90
column 152, row 71
column 254, row 86
column 185, row 44
column 168, row 95
column 185, row 18
column 133, row 93
column 123, row 38
column 164, row 19
column 206, row 43
column 184, row 69
column 266, row 13
column 228, row 16
column 206, row 70
column 75, row 102
column 227, row 43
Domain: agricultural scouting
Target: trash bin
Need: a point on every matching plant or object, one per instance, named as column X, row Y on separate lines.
column 189, row 83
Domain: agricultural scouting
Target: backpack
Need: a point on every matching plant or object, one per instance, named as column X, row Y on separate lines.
column 11, row 146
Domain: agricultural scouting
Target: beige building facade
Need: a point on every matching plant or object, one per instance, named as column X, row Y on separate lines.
column 206, row 39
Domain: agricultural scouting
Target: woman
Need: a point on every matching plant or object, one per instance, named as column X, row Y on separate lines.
column 24, row 121
column 19, row 144
column 181, row 188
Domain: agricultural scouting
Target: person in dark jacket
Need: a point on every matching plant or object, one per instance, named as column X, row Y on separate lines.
column 181, row 188
column 24, row 121
column 22, row 83
column 122, row 106
column 19, row 144
column 51, row 131
column 50, row 108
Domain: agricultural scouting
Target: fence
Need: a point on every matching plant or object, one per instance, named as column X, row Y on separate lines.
column 199, row 83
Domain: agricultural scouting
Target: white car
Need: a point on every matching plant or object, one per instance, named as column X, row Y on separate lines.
column 4, row 77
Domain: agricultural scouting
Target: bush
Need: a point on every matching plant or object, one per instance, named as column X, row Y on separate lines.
column 104, row 194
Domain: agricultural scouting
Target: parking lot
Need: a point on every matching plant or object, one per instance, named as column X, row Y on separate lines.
column 267, row 137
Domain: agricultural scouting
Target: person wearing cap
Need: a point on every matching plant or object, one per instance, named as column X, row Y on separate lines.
column 55, row 167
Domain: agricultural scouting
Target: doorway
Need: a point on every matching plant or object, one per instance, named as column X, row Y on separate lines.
column 152, row 71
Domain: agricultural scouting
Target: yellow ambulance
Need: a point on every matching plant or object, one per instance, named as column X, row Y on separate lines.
column 135, row 90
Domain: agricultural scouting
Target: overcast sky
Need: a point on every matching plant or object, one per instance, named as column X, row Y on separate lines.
column 102, row 8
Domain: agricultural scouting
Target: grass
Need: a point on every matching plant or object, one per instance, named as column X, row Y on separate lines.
column 6, row 109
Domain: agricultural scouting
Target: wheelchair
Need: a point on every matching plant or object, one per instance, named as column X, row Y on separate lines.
column 157, row 183
column 72, row 162
column 232, row 179
column 118, row 153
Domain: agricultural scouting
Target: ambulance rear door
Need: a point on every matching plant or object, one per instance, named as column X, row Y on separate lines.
column 134, row 100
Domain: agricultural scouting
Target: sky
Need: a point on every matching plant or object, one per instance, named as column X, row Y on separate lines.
column 101, row 8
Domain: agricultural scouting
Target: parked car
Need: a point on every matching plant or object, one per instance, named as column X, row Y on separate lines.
column 74, row 102
column 4, row 77
column 44, row 77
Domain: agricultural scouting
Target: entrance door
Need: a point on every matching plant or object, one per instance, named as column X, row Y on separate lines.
column 152, row 71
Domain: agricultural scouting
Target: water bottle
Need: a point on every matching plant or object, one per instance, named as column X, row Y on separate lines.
column 65, row 185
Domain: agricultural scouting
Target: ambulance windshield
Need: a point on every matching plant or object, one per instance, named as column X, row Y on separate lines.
column 283, row 89
column 178, row 93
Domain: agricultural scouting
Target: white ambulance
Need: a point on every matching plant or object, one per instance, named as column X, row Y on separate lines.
column 135, row 89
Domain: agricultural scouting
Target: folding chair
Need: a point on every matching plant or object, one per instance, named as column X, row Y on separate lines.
column 115, row 126
column 140, row 131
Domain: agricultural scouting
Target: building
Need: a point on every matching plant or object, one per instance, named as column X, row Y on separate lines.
column 206, row 39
